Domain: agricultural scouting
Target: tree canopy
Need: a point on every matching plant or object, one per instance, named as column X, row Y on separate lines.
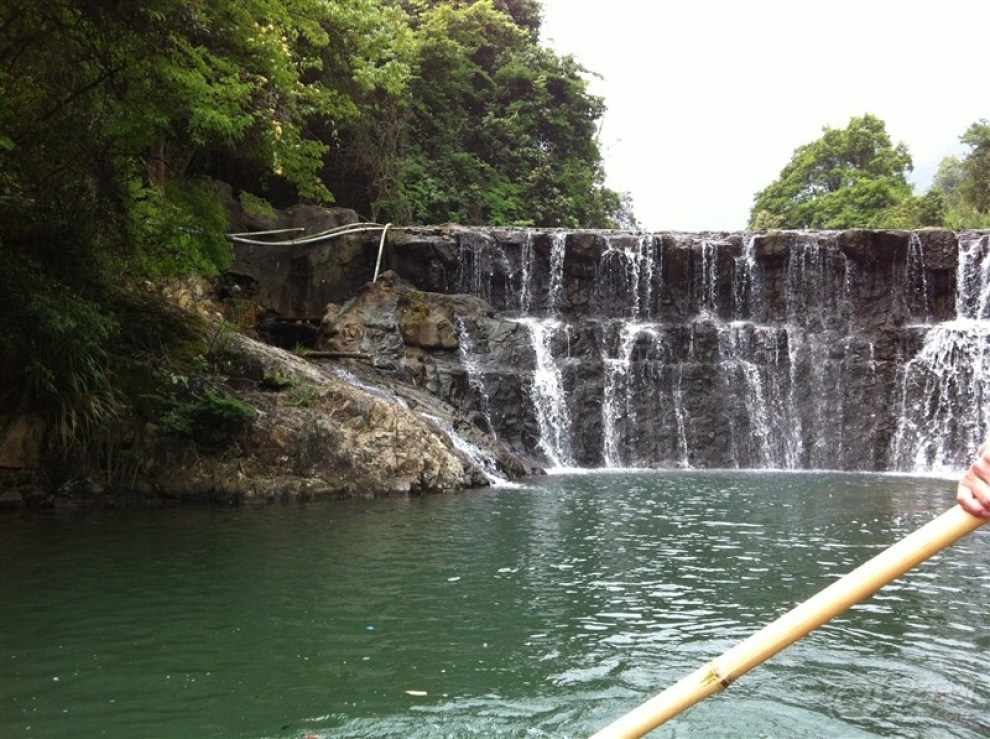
column 963, row 184
column 850, row 177
column 857, row 178
column 494, row 129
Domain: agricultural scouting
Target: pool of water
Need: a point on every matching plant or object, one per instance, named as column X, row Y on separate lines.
column 547, row 610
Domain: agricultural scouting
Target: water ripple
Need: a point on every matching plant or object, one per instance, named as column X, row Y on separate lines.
column 544, row 611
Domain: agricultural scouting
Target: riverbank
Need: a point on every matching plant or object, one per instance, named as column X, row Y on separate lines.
column 220, row 417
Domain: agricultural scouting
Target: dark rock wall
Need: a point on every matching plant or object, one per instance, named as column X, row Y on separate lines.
column 782, row 350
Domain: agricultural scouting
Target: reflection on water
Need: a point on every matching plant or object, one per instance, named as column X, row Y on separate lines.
column 544, row 611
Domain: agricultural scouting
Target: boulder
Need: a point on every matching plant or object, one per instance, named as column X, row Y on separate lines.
column 21, row 438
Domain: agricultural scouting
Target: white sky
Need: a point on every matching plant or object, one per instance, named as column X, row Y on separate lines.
column 708, row 99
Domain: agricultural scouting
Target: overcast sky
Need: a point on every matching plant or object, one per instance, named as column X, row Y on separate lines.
column 707, row 100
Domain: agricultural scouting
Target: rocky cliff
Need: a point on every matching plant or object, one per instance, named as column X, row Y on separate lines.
column 839, row 350
column 225, row 418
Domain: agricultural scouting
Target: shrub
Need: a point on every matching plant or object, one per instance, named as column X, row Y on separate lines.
column 209, row 419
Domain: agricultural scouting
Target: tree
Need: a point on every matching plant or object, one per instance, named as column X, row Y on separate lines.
column 963, row 184
column 975, row 184
column 117, row 115
column 496, row 129
column 849, row 178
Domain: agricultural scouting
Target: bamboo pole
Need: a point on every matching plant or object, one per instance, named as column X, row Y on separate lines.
column 859, row 584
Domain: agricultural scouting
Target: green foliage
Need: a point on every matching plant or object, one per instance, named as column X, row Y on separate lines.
column 964, row 184
column 915, row 212
column 254, row 205
column 209, row 419
column 849, row 178
column 53, row 348
column 304, row 396
column 179, row 228
column 495, row 129
column 975, row 185
column 275, row 381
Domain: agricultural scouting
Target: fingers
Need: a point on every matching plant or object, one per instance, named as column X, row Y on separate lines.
column 973, row 493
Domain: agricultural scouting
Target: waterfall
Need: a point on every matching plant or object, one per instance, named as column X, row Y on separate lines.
column 547, row 392
column 484, row 269
column 709, row 279
column 528, row 259
column 746, row 294
column 468, row 354
column 782, row 350
column 477, row 456
column 681, row 418
column 558, row 245
column 945, row 389
column 973, row 295
column 740, row 371
column 625, row 389
column 625, row 276
column 917, row 278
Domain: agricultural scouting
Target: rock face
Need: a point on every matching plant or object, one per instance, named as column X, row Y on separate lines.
column 859, row 350
column 317, row 436
column 420, row 345
column 21, row 439
column 252, row 422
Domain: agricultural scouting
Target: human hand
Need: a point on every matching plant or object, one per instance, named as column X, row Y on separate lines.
column 973, row 493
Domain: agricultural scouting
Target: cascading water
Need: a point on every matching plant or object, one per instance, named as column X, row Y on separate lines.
column 625, row 269
column 945, row 388
column 917, row 277
column 547, row 389
column 468, row 355
column 558, row 243
column 626, row 386
column 528, row 259
column 709, row 278
column 746, row 294
column 740, row 371
column 547, row 393
column 788, row 350
column 480, row 458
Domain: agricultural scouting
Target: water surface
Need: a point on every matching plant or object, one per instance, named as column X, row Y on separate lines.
column 543, row 611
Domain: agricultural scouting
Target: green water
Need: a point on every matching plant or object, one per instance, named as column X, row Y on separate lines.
column 543, row 611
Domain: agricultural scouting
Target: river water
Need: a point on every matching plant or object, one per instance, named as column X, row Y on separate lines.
column 546, row 610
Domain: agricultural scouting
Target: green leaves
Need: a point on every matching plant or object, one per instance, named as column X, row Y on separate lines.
column 178, row 228
column 963, row 184
column 115, row 118
column 974, row 184
column 209, row 419
column 497, row 129
column 856, row 178
column 849, row 178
